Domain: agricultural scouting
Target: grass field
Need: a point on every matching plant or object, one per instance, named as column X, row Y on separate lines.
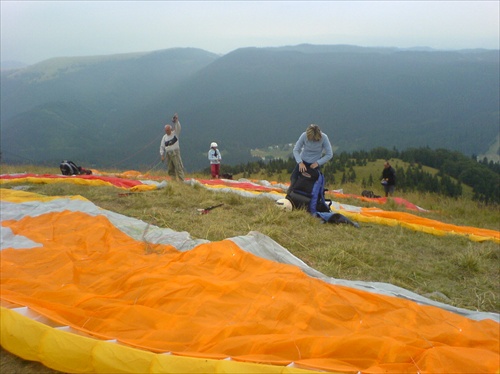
column 449, row 268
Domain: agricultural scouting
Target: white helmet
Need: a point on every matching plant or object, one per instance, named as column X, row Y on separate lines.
column 284, row 204
column 213, row 145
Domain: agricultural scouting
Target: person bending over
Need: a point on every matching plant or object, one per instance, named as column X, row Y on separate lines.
column 313, row 149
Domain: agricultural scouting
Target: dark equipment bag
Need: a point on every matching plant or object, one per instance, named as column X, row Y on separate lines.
column 70, row 168
column 308, row 192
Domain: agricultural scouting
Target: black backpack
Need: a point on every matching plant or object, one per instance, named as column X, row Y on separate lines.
column 308, row 192
column 70, row 168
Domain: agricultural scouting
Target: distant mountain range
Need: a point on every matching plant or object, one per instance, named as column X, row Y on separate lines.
column 109, row 111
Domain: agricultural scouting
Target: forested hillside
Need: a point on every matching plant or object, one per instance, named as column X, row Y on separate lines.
column 453, row 170
column 110, row 111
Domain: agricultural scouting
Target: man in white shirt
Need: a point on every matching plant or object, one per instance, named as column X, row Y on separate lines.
column 170, row 150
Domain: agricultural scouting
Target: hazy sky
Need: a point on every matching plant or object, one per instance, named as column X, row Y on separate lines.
column 32, row 31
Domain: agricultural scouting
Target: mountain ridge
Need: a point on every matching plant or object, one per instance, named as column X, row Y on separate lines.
column 249, row 98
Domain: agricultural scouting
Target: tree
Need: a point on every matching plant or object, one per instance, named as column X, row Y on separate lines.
column 352, row 175
column 344, row 179
column 370, row 180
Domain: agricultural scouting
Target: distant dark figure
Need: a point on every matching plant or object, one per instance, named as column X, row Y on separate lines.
column 388, row 179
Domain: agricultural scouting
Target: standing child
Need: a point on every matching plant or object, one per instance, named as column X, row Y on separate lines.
column 215, row 158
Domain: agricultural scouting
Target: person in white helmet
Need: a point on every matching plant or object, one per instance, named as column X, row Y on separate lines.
column 215, row 158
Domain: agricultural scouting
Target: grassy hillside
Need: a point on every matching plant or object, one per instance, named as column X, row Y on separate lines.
column 368, row 173
column 449, row 269
column 420, row 262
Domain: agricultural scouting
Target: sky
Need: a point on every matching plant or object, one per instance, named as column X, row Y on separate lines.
column 33, row 31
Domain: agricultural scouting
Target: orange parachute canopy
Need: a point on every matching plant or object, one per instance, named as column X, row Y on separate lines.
column 89, row 180
column 136, row 182
column 116, row 295
column 367, row 215
column 380, row 200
